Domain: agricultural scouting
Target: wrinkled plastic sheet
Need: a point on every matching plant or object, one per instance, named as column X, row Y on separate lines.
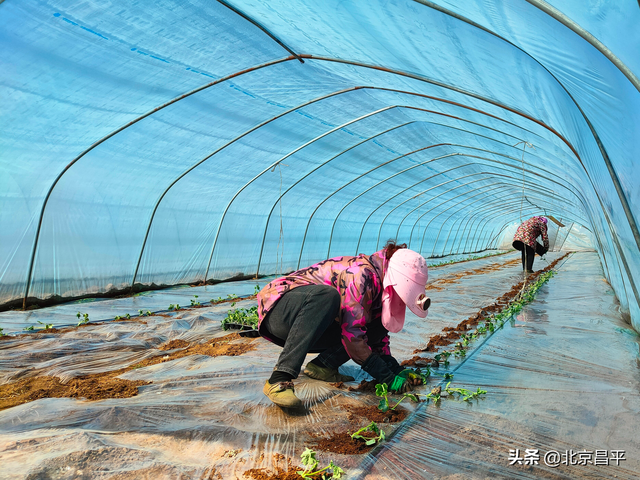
column 200, row 414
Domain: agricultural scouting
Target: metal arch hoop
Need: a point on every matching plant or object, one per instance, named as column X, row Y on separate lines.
column 414, row 225
column 427, row 226
column 470, row 156
column 554, row 13
column 309, row 173
column 107, row 137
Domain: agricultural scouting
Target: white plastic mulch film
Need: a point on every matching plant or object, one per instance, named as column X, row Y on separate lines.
column 160, row 143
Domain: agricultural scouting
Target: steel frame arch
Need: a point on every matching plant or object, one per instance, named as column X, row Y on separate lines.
column 554, row 13
column 447, row 219
column 433, row 218
column 577, row 193
column 336, row 128
column 478, row 157
column 324, row 97
column 501, row 185
column 312, row 171
column 623, row 200
column 457, row 232
column 113, row 133
column 418, row 219
column 357, row 178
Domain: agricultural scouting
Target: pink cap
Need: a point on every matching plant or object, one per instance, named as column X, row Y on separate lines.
column 403, row 284
column 544, row 220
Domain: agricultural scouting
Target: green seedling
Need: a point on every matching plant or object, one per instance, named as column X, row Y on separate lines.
column 44, row 327
column 460, row 351
column 466, row 395
column 127, row 316
column 148, row 314
column 232, row 296
column 140, row 313
column 194, row 301
column 308, row 459
column 242, row 316
column 118, row 317
column 84, row 320
column 1, row 334
column 382, row 390
column 446, row 376
column 446, row 355
column 256, row 289
column 372, row 427
column 434, row 394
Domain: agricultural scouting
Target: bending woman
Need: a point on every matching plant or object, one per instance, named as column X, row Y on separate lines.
column 525, row 241
column 342, row 308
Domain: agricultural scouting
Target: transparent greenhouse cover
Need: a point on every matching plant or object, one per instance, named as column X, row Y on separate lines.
column 170, row 143
column 159, row 143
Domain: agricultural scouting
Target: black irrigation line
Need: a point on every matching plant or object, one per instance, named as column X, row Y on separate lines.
column 381, row 447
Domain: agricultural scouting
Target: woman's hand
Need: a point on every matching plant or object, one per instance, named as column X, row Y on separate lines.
column 406, row 380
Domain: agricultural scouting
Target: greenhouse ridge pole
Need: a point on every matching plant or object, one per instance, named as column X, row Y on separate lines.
column 115, row 132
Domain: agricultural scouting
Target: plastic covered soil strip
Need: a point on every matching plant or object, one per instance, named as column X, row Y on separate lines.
column 475, row 257
column 199, row 404
column 563, row 383
column 381, row 446
column 133, row 318
column 103, row 385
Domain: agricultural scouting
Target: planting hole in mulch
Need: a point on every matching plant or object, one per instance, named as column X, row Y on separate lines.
column 343, row 443
column 373, row 414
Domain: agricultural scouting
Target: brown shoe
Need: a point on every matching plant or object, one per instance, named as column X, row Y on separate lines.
column 282, row 394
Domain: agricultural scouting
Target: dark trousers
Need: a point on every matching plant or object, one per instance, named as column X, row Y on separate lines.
column 528, row 254
column 303, row 321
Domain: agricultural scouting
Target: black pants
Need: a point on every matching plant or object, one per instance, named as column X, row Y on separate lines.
column 303, row 321
column 528, row 254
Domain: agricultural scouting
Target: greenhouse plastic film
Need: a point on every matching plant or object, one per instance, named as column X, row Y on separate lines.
column 202, row 413
column 559, row 381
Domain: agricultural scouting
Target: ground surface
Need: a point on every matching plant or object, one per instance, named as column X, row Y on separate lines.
column 563, row 376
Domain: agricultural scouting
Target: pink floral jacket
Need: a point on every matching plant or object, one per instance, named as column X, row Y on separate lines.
column 530, row 230
column 359, row 282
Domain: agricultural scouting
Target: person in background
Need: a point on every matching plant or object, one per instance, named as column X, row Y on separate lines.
column 342, row 308
column 525, row 240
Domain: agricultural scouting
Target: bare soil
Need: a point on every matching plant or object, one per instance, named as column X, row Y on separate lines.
column 373, row 414
column 343, row 443
column 105, row 384
column 286, row 472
